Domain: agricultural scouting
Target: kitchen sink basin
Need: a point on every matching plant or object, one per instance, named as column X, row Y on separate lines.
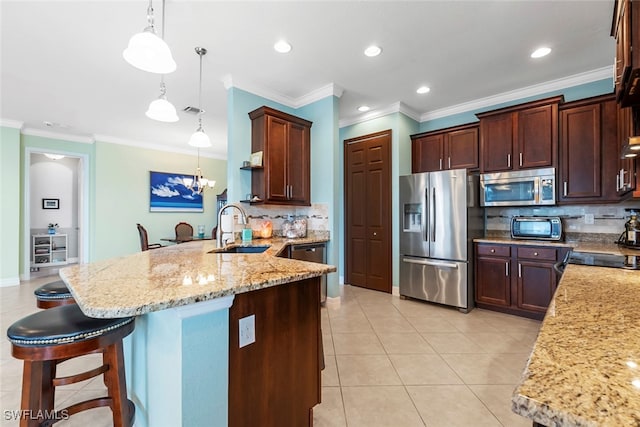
column 241, row 250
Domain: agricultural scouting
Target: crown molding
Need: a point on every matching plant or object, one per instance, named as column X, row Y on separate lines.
column 514, row 95
column 396, row 107
column 9, row 123
column 158, row 147
column 58, row 135
column 315, row 95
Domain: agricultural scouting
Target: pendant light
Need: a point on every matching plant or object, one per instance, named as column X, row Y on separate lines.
column 198, row 183
column 199, row 138
column 149, row 52
column 160, row 109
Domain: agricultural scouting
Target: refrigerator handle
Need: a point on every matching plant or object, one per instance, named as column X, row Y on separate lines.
column 433, row 214
column 430, row 262
column 427, row 214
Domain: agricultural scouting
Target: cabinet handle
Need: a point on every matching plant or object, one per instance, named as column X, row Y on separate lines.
column 506, row 269
column 565, row 188
column 449, row 162
column 520, row 159
column 535, row 254
column 623, row 184
column 440, row 164
column 519, row 270
column 493, row 250
column 618, row 188
column 508, row 160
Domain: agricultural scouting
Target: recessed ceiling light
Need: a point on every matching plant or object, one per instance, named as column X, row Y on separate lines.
column 540, row 52
column 363, row 108
column 282, row 46
column 373, row 50
column 423, row 89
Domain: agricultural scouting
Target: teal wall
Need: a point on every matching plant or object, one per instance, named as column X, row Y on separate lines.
column 401, row 128
column 600, row 87
column 324, row 153
column 10, row 206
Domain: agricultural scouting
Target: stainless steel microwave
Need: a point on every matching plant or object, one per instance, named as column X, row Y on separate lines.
column 533, row 187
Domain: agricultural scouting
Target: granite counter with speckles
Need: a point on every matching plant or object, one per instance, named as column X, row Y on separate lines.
column 584, row 369
column 183, row 274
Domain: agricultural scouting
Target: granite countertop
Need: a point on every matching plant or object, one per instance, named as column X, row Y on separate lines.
column 183, row 274
column 584, row 369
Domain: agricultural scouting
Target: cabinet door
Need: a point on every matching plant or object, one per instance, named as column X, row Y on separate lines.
column 298, row 167
column 427, row 153
column 496, row 142
column 580, row 152
column 536, row 285
column 493, row 281
column 462, row 149
column 537, row 141
column 275, row 159
column 625, row 180
column 623, row 45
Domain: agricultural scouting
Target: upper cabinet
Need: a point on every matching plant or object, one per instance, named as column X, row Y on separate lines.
column 589, row 151
column 285, row 143
column 626, row 30
column 520, row 137
column 451, row 148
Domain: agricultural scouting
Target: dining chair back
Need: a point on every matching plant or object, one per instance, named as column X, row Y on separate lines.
column 144, row 239
column 184, row 232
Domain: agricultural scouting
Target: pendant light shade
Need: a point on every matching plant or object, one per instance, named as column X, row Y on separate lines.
column 149, row 52
column 162, row 110
column 199, row 138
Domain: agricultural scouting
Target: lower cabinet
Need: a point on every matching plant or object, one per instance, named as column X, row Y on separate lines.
column 516, row 279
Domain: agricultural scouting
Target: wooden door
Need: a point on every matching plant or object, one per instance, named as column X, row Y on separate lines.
column 496, row 142
column 368, row 211
column 427, row 153
column 275, row 158
column 537, row 137
column 462, row 149
column 298, row 164
column 493, row 282
column 580, row 152
column 536, row 285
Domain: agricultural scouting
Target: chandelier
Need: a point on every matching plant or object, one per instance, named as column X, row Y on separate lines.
column 198, row 183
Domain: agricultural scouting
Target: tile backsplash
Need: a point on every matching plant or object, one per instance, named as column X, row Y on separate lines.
column 317, row 215
column 608, row 220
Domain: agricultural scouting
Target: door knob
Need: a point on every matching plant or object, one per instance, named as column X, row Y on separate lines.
column 375, row 234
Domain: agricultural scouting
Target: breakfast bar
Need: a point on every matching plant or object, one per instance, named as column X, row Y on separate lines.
column 584, row 369
column 184, row 362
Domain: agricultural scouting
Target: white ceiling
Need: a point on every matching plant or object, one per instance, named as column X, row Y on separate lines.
column 61, row 61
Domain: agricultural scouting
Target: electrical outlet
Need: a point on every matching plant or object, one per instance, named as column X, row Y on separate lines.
column 589, row 219
column 247, row 329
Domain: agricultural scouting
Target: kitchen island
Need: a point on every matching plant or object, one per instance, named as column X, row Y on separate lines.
column 584, row 369
column 184, row 362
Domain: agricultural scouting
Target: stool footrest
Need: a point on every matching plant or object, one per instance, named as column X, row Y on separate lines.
column 88, row 404
column 72, row 379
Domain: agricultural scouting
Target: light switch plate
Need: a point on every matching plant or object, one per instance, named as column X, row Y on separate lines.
column 247, row 329
column 589, row 219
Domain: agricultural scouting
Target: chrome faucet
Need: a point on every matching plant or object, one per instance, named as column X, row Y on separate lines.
column 220, row 239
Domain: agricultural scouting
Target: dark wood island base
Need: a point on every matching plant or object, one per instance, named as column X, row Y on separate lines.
column 275, row 381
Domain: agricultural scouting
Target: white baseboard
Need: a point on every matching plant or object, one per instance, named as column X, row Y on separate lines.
column 9, row 281
column 395, row 291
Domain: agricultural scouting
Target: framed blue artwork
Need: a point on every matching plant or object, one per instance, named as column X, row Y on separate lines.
column 169, row 194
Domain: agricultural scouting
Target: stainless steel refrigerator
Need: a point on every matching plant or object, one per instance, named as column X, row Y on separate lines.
column 440, row 216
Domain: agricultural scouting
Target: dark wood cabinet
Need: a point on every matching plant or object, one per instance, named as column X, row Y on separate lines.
column 626, row 171
column 524, row 136
column 451, row 148
column 625, row 29
column 493, row 275
column 516, row 279
column 285, row 144
column 589, row 151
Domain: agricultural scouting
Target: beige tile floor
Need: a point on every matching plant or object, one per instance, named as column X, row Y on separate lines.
column 389, row 362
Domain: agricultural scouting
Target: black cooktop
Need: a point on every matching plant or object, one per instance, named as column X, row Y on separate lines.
column 631, row 262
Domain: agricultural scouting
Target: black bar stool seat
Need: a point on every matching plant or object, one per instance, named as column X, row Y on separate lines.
column 53, row 294
column 48, row 337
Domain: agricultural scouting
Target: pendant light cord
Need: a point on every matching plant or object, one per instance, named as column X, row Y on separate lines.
column 200, row 53
column 150, row 16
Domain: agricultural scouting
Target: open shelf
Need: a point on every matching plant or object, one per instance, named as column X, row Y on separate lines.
column 249, row 168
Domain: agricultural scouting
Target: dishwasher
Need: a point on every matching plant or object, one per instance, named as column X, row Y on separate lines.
column 312, row 252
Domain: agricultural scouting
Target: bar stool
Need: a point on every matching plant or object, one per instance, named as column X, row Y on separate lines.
column 53, row 294
column 45, row 338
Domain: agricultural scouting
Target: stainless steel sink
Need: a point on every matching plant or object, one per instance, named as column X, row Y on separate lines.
column 241, row 250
